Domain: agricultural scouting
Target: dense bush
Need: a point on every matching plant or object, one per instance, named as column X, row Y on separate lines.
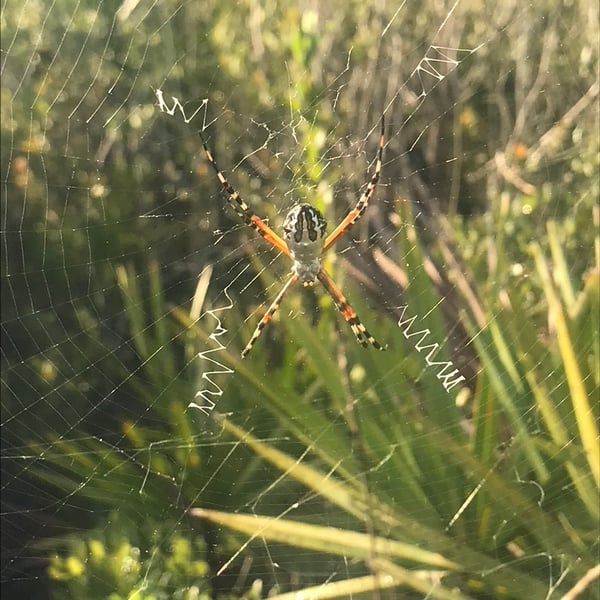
column 353, row 468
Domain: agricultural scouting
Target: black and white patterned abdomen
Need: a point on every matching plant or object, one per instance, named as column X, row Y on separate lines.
column 304, row 228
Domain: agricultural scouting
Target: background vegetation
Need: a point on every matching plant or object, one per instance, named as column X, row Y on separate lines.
column 322, row 465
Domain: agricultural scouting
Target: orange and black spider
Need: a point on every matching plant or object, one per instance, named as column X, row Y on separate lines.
column 303, row 229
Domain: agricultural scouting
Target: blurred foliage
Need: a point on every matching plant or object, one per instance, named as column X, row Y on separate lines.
column 109, row 213
column 107, row 565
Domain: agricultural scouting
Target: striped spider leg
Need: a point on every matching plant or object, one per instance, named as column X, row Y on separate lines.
column 304, row 228
column 363, row 337
column 270, row 312
column 357, row 212
column 242, row 209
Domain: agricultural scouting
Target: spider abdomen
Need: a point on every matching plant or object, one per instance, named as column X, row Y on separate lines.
column 304, row 228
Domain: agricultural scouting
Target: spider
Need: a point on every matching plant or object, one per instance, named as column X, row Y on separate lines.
column 303, row 229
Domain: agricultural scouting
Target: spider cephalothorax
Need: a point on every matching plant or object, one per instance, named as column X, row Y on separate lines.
column 304, row 228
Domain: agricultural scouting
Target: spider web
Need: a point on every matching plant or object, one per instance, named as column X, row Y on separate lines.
column 133, row 436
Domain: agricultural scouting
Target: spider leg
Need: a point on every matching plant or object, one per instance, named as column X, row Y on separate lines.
column 242, row 209
column 270, row 312
column 360, row 331
column 357, row 212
